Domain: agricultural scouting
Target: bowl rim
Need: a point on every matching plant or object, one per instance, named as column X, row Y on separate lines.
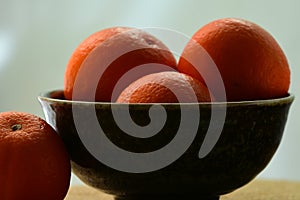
column 289, row 98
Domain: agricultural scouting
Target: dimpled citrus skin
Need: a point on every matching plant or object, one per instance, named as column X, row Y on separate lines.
column 82, row 51
column 252, row 64
column 162, row 88
column 100, row 61
column 33, row 160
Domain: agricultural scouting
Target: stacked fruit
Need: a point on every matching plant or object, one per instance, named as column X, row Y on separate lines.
column 128, row 65
column 249, row 61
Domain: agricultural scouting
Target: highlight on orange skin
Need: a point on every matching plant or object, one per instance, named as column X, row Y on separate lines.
column 252, row 64
column 93, row 63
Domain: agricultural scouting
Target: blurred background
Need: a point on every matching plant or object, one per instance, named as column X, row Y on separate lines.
column 38, row 37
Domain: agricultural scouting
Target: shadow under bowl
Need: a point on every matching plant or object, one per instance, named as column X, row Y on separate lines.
column 250, row 134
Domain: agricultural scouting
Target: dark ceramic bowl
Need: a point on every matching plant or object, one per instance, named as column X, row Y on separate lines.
column 249, row 138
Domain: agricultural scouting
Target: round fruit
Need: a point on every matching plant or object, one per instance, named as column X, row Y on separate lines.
column 101, row 60
column 250, row 61
column 33, row 161
column 165, row 87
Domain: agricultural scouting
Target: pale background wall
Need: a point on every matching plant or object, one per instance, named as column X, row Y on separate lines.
column 37, row 38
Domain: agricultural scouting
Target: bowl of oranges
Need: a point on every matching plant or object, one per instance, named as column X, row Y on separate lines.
column 138, row 124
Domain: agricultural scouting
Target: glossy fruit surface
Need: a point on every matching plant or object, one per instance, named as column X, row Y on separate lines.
column 100, row 61
column 252, row 64
column 34, row 163
column 165, row 87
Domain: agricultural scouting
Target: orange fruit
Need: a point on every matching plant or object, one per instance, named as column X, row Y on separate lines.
column 100, row 61
column 165, row 87
column 33, row 161
column 250, row 61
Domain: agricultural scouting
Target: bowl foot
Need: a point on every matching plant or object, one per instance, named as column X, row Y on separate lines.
column 167, row 197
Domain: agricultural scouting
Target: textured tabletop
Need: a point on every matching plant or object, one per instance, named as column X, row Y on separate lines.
column 256, row 190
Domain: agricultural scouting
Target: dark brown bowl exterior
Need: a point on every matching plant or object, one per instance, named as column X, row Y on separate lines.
column 252, row 132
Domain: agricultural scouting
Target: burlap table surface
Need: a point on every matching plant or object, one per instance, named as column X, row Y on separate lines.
column 255, row 190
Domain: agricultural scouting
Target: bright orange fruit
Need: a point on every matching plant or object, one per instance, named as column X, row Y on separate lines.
column 252, row 64
column 33, row 161
column 104, row 57
column 165, row 87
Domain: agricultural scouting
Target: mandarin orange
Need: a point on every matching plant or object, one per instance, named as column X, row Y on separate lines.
column 34, row 163
column 250, row 61
column 165, row 87
column 100, row 61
